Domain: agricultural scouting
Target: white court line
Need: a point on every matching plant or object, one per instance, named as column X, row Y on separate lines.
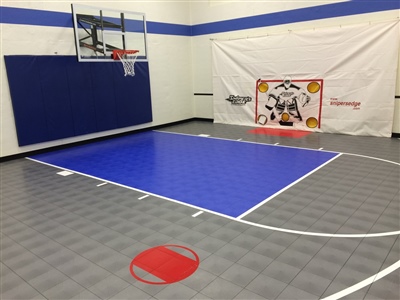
column 364, row 283
column 204, row 135
column 375, row 158
column 285, row 188
column 145, row 196
column 321, row 148
column 101, row 184
column 139, row 190
column 335, row 296
column 310, row 233
column 65, row 173
column 320, row 234
column 256, row 143
column 284, row 146
column 338, row 295
column 197, row 214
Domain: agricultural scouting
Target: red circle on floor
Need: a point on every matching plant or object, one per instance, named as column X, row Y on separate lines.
column 165, row 264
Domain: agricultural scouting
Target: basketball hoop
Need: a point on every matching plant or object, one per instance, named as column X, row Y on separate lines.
column 128, row 58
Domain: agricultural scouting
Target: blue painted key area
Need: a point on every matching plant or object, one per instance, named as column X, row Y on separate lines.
column 228, row 177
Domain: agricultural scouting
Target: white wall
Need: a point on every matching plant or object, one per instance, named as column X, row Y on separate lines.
column 179, row 65
column 170, row 64
column 396, row 118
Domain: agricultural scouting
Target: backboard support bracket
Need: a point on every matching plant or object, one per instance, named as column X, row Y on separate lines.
column 100, row 31
column 95, row 25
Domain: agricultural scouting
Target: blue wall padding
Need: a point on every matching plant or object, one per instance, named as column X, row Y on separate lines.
column 82, row 99
column 103, row 91
column 124, row 114
column 28, row 109
column 56, row 97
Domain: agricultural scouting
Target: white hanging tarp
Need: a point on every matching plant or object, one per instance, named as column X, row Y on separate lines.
column 338, row 80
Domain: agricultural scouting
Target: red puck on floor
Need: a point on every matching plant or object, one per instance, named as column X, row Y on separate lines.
column 163, row 262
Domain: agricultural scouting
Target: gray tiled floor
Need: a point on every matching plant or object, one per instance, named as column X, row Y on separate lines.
column 65, row 237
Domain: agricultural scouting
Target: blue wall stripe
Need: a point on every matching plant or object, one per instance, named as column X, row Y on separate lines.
column 296, row 15
column 12, row 15
column 167, row 28
column 23, row 16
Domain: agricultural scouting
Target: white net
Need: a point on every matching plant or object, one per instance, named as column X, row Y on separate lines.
column 128, row 62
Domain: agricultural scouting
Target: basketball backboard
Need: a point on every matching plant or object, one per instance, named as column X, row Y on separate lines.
column 99, row 31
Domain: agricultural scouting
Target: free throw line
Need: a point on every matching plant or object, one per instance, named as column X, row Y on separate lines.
column 285, row 188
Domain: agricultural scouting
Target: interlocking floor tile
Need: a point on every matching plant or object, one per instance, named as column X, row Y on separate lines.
column 255, row 261
column 220, row 289
column 268, row 249
column 66, row 237
column 323, row 268
column 385, row 288
column 47, row 280
column 176, row 291
column 210, row 244
column 9, row 279
column 239, row 275
column 266, row 286
column 22, row 291
column 64, row 290
column 231, row 252
column 281, row 271
column 199, row 280
column 108, row 287
column 291, row 292
column 294, row 258
column 337, row 287
column 85, row 295
column 225, row 234
column 310, row 283
column 131, row 293
column 215, row 264
column 246, row 295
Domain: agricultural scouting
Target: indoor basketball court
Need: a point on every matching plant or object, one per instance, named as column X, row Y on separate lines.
column 336, row 224
column 196, row 150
